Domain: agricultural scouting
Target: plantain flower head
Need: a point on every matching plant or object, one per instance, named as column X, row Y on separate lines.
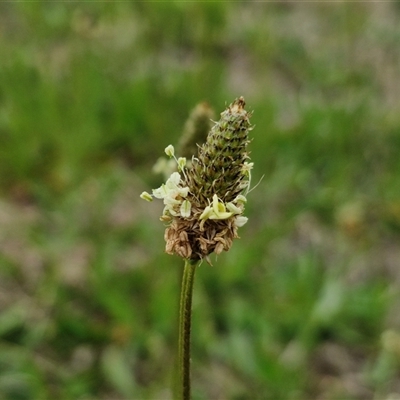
column 204, row 201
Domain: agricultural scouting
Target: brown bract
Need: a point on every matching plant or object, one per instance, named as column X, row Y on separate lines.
column 187, row 239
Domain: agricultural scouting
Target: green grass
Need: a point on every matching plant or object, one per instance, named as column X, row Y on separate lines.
column 303, row 304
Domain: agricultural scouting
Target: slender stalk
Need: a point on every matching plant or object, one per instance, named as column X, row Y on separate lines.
column 185, row 321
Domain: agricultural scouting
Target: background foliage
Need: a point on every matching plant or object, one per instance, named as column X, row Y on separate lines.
column 305, row 305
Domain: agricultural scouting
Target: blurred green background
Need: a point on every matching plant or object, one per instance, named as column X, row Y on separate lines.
column 306, row 305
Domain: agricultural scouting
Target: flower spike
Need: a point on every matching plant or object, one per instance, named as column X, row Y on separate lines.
column 204, row 206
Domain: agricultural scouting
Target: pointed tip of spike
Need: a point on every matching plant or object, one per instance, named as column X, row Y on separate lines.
column 238, row 104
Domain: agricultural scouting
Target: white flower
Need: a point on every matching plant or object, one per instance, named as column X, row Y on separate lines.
column 181, row 163
column 161, row 192
column 185, row 209
column 240, row 199
column 247, row 167
column 234, row 209
column 217, row 211
column 169, row 210
column 146, row 196
column 240, row 221
column 174, row 180
column 206, row 213
column 171, row 201
column 171, row 188
column 173, row 194
column 170, row 151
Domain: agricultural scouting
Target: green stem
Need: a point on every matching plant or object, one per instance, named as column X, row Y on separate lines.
column 185, row 321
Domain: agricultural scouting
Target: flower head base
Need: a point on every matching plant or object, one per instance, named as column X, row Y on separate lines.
column 204, row 206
